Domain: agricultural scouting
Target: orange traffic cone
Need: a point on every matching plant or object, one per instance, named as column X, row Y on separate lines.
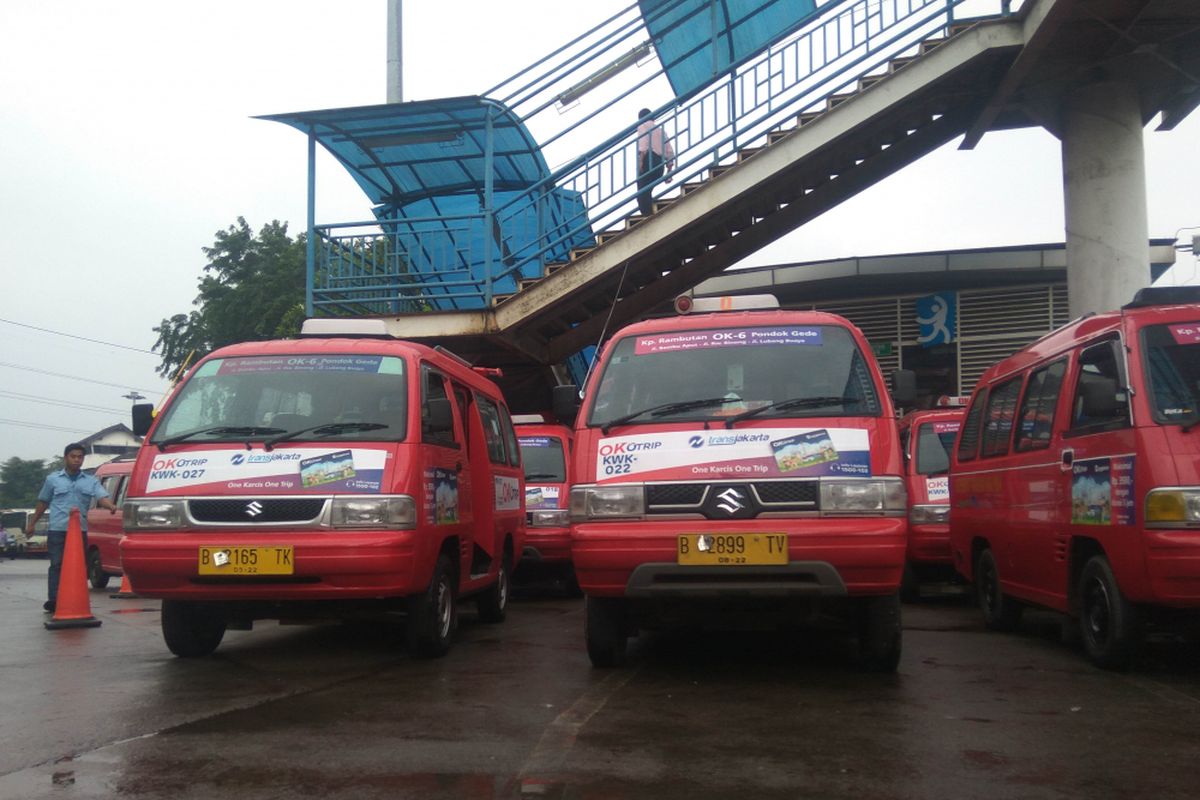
column 126, row 590
column 72, row 609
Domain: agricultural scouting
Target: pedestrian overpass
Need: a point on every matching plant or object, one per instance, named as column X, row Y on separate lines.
column 505, row 226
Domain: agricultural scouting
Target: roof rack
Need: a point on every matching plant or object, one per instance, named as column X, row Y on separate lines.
column 1164, row 296
column 345, row 327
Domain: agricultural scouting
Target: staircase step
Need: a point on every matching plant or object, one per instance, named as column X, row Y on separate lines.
column 897, row 64
column 835, row 100
column 633, row 220
column 961, row 26
column 605, row 237
column 554, row 267
column 579, row 252
column 929, row 45
column 688, row 188
column 664, row 202
column 719, row 170
column 867, row 81
column 774, row 137
column 527, row 283
column 748, row 152
column 497, row 299
column 807, row 117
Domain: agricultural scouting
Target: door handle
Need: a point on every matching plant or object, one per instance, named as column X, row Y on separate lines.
column 1068, row 458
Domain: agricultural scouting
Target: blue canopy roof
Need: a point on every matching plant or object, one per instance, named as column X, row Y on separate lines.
column 404, row 151
column 697, row 40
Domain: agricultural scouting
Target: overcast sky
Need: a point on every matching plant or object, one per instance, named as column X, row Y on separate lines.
column 126, row 143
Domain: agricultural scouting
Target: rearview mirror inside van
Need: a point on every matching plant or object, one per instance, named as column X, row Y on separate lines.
column 904, row 386
column 1099, row 396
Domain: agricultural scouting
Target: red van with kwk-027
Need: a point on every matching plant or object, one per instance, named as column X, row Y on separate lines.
column 337, row 474
column 1075, row 483
column 737, row 465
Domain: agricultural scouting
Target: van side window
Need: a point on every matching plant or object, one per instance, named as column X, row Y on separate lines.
column 493, row 433
column 1101, row 399
column 998, row 421
column 933, row 451
column 510, row 437
column 1036, row 419
column 968, row 442
column 437, row 421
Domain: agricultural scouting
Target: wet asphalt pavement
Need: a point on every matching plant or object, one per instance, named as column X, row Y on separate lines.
column 516, row 711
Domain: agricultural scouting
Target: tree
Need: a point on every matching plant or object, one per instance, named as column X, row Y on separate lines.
column 252, row 289
column 20, row 482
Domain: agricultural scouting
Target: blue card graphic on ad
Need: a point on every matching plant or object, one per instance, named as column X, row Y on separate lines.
column 804, row 450
column 328, row 468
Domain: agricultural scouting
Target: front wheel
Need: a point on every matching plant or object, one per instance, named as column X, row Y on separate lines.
column 1109, row 624
column 1000, row 612
column 192, row 630
column 96, row 574
column 493, row 601
column 606, row 631
column 879, row 633
column 433, row 614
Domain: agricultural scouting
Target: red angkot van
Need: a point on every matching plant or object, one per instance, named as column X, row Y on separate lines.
column 927, row 437
column 329, row 475
column 105, row 530
column 740, row 466
column 1075, row 483
column 546, row 455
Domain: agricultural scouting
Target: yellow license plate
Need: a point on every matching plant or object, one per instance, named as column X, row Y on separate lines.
column 246, row 561
column 731, row 549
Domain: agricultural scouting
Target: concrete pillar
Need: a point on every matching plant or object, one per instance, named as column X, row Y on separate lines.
column 1104, row 185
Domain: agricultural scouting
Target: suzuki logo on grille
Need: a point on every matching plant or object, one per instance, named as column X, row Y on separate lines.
column 731, row 501
column 254, row 508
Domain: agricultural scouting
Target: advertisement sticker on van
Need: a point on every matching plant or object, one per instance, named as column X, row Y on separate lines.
column 1102, row 491
column 541, row 497
column 725, row 337
column 1186, row 334
column 757, row 452
column 300, row 470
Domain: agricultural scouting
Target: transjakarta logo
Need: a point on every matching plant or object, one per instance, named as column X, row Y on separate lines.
column 237, row 459
column 696, row 441
column 628, row 447
column 179, row 463
column 734, row 438
column 266, row 459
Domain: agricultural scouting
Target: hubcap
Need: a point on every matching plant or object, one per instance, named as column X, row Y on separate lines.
column 1097, row 611
column 443, row 609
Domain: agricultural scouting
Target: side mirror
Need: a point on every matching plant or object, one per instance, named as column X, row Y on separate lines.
column 440, row 417
column 565, row 402
column 904, row 387
column 143, row 418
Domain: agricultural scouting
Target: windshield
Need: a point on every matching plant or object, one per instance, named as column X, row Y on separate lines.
column 361, row 397
column 934, row 441
column 13, row 519
column 663, row 377
column 543, row 459
column 1172, row 355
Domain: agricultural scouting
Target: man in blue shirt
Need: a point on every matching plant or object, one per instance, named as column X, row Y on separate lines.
column 68, row 488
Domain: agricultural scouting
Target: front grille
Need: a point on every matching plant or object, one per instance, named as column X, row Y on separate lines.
column 675, row 494
column 787, row 492
column 265, row 510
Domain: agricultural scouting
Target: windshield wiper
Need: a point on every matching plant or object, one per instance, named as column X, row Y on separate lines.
column 668, row 408
column 235, row 430
column 328, row 429
column 551, row 475
column 795, row 402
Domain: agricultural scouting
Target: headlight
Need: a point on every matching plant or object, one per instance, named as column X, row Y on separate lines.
column 607, row 502
column 374, row 512
column 929, row 515
column 1166, row 507
column 157, row 515
column 550, row 518
column 884, row 496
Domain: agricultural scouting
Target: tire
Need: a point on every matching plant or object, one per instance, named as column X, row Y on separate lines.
column 433, row 614
column 1000, row 612
column 910, row 587
column 96, row 574
column 606, row 631
column 1108, row 623
column 493, row 601
column 192, row 630
column 879, row 633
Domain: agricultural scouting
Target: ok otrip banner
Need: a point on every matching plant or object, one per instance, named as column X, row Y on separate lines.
column 306, row 469
column 752, row 453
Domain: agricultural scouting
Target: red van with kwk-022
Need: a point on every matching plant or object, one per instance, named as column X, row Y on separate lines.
column 737, row 465
column 337, row 474
column 1075, row 482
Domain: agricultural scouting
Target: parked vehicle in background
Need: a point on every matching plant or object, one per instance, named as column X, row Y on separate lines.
column 337, row 474
column 737, row 465
column 13, row 521
column 105, row 530
column 927, row 437
column 1076, row 476
column 546, row 455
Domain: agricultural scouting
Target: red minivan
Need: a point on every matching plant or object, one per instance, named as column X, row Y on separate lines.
column 737, row 467
column 546, row 455
column 337, row 474
column 105, row 530
column 1075, row 482
column 927, row 437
